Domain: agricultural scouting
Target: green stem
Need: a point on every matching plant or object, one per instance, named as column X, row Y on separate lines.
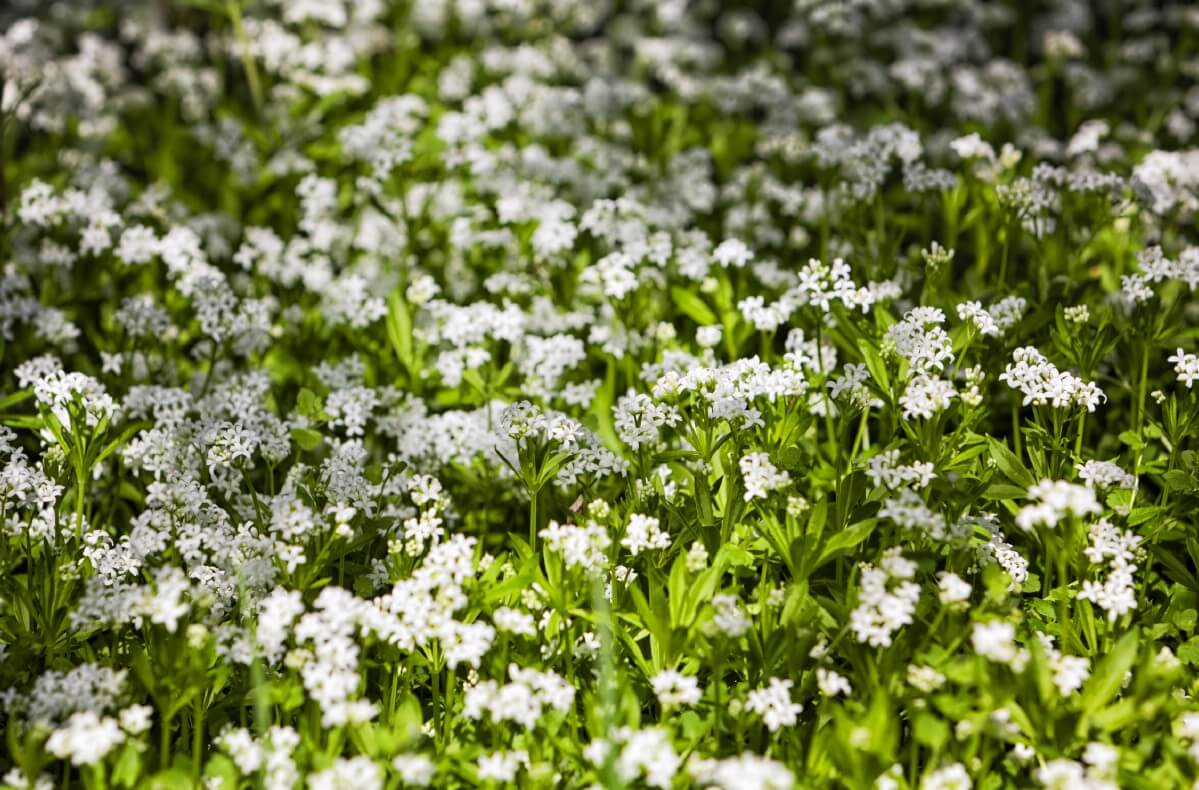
column 391, row 693
column 243, row 45
column 435, row 678
column 80, row 488
column 1141, row 389
column 534, row 494
column 1016, row 429
column 198, row 735
column 1082, row 424
column 164, row 745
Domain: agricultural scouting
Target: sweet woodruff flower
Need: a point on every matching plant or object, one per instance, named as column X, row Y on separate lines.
column 748, row 338
column 675, row 689
column 1186, row 366
column 1043, row 384
column 761, row 476
column 773, row 703
column 85, row 738
column 886, row 599
column 61, row 392
column 1052, row 500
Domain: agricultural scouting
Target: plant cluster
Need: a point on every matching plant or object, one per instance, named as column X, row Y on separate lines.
column 608, row 394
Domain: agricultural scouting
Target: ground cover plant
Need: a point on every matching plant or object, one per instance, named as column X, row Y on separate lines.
column 535, row 393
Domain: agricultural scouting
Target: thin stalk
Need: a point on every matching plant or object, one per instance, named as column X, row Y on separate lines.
column 1082, row 424
column 1141, row 389
column 243, row 45
column 534, row 494
column 435, row 677
column 79, row 499
column 198, row 735
column 164, row 745
column 1016, row 429
column 391, row 693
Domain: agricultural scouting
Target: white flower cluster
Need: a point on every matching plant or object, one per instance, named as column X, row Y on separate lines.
column 643, row 533
column 1042, row 383
column 62, row 393
column 522, row 701
column 1186, row 366
column 312, row 310
column 1105, row 474
column 760, row 476
column 1116, row 548
column 886, row 599
column 1050, row 501
column 773, row 703
column 995, row 640
column 272, row 754
column 884, row 469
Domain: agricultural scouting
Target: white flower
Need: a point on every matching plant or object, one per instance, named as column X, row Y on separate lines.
column 996, row 640
column 1105, row 474
column 650, row 753
column 354, row 773
column 581, row 546
column 514, row 621
column 1186, row 366
column 708, row 336
column 85, row 738
column 924, row 678
column 1043, row 384
column 953, row 589
column 732, row 252
column 746, row 771
column 675, row 689
column 728, row 617
column 416, row 770
column 502, row 766
column 831, row 684
column 972, row 146
column 925, row 396
column 136, row 719
column 644, row 534
column 951, row 777
column 774, row 704
column 760, row 476
column 1053, row 500
column 886, row 600
column 62, row 392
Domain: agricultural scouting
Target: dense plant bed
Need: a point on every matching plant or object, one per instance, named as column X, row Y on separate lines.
column 603, row 394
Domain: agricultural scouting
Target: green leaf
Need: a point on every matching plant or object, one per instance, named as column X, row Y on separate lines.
column 1188, row 651
column 930, row 730
column 1176, row 569
column 841, row 542
column 1010, row 464
column 1132, row 439
column 8, row 401
column 1108, row 676
column 123, row 437
column 308, row 404
column 735, row 555
column 692, row 306
column 129, row 765
column 817, row 519
column 306, row 438
column 1004, row 491
column 28, row 422
column 399, row 331
column 221, row 770
column 702, row 591
column 176, row 778
column 678, row 591
column 876, row 365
